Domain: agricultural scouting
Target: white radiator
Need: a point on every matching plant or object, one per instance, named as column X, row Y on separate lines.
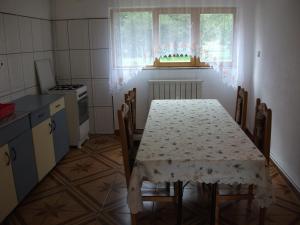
column 175, row 89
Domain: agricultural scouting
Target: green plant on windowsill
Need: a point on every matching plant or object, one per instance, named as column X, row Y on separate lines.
column 177, row 60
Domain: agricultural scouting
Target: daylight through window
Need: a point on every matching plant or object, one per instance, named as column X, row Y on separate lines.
column 172, row 35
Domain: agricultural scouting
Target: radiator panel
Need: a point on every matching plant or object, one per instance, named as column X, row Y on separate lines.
column 175, row 89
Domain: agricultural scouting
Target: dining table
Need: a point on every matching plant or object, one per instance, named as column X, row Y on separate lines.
column 196, row 140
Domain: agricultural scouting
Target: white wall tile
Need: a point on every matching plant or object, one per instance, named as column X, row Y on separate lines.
column 60, row 35
column 2, row 36
column 100, row 63
column 64, row 81
column 62, row 65
column 26, row 34
column 80, row 63
column 37, row 33
column 17, row 95
column 99, row 33
column 88, row 83
column 32, row 91
column 5, row 99
column 92, row 120
column 101, row 93
column 12, row 34
column 46, row 35
column 78, row 34
column 4, row 76
column 28, row 70
column 104, row 120
column 15, row 72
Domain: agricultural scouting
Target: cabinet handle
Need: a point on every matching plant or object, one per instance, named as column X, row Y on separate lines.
column 15, row 154
column 51, row 127
column 8, row 158
column 54, row 125
column 57, row 106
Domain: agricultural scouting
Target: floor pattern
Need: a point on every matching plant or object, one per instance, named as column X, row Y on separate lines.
column 88, row 188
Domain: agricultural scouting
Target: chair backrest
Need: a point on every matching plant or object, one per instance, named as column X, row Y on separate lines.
column 130, row 100
column 241, row 107
column 262, row 128
column 126, row 140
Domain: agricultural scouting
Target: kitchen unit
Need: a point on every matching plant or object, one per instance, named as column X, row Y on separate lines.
column 32, row 141
column 18, row 174
column 48, row 122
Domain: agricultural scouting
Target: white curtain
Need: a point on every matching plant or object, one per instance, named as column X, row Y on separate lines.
column 142, row 30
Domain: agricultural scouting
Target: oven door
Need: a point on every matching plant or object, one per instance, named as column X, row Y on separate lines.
column 83, row 109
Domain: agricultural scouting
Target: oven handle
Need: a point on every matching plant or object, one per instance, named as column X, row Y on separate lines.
column 82, row 95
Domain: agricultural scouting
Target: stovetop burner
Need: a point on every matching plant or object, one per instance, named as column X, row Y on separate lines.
column 67, row 87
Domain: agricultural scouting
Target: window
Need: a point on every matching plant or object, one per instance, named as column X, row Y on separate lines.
column 173, row 36
column 216, row 37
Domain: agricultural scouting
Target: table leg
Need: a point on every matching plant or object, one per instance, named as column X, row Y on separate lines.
column 262, row 214
column 213, row 204
column 179, row 202
column 133, row 219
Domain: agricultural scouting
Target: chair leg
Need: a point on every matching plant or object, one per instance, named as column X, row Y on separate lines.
column 179, row 193
column 262, row 214
column 250, row 197
column 133, row 219
column 213, row 204
column 217, row 213
column 168, row 186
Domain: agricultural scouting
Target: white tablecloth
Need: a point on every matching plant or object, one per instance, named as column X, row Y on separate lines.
column 196, row 140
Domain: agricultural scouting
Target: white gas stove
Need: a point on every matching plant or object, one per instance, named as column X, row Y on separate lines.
column 76, row 102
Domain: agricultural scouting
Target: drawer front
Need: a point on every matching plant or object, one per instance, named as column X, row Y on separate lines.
column 57, row 106
column 39, row 116
column 13, row 130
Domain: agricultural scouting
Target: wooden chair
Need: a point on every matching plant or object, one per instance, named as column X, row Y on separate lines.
column 129, row 153
column 262, row 129
column 241, row 107
column 261, row 137
column 130, row 100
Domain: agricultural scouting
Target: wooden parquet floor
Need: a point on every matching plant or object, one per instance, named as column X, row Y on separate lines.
column 88, row 188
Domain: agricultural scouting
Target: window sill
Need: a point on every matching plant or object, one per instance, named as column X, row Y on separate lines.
column 175, row 68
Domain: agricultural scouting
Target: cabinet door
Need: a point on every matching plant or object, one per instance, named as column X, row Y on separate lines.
column 7, row 186
column 60, row 135
column 43, row 148
column 23, row 164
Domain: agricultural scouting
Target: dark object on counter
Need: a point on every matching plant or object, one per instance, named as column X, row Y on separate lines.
column 7, row 109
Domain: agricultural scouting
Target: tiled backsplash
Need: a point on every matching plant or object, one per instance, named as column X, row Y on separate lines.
column 82, row 56
column 78, row 50
column 22, row 40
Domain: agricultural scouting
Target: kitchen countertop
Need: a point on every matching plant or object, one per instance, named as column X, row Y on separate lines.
column 31, row 103
column 12, row 118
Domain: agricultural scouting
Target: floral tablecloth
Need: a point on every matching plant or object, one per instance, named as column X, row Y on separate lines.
column 196, row 140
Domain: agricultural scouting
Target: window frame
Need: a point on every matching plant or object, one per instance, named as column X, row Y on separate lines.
column 195, row 13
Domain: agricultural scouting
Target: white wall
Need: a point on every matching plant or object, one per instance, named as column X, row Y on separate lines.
column 81, row 42
column 32, row 8
column 276, row 79
column 25, row 35
column 79, row 9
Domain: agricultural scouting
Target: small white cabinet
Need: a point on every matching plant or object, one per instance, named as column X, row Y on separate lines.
column 43, row 147
column 8, row 194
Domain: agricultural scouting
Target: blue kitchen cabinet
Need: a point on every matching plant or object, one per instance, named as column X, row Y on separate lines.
column 60, row 134
column 23, row 164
